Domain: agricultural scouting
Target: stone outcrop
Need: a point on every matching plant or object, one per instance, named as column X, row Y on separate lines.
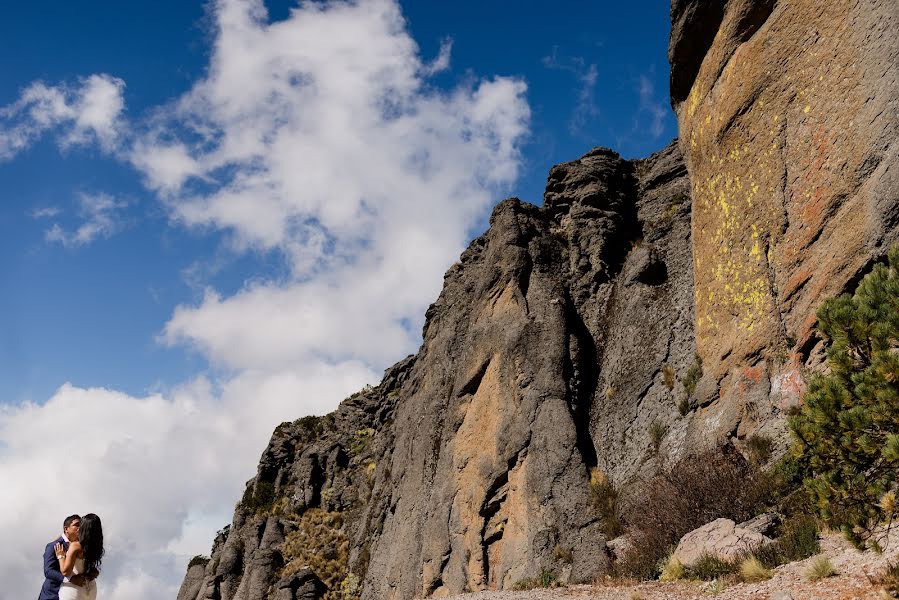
column 722, row 538
column 468, row 467
column 789, row 121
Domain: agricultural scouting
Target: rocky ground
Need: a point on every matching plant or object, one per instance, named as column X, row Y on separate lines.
column 856, row 578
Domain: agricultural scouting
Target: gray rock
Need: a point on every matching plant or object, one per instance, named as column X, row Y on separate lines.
column 721, row 538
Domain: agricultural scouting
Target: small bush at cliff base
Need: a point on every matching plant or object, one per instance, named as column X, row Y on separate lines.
column 546, row 579
column 604, row 501
column 708, row 567
column 693, row 492
column 848, row 428
column 798, row 540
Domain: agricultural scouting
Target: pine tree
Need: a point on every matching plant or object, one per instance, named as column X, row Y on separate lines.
column 848, row 428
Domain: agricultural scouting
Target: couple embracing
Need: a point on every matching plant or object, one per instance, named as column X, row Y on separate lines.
column 72, row 561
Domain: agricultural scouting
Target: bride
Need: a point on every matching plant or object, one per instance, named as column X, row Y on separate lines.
column 81, row 557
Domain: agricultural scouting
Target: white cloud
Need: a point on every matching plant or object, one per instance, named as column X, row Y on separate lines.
column 147, row 466
column 318, row 139
column 46, row 212
column 84, row 114
column 652, row 107
column 102, row 219
column 587, row 76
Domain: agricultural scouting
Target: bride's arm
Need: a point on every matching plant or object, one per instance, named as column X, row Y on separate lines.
column 67, row 561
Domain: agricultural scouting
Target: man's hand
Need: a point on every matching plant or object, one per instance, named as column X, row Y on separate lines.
column 78, row 580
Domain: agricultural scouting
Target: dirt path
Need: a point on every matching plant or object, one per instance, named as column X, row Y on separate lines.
column 855, row 572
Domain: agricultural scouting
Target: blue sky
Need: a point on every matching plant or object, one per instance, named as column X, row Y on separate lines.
column 226, row 218
column 90, row 314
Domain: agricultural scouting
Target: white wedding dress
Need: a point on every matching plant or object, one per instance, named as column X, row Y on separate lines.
column 70, row 591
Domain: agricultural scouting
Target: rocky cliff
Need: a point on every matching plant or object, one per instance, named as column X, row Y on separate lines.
column 789, row 122
column 571, row 342
column 468, row 467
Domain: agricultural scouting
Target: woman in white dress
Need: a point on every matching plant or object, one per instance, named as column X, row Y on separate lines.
column 82, row 556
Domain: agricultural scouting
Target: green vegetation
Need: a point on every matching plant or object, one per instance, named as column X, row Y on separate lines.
column 694, row 373
column 848, row 427
column 259, row 498
column 198, row 560
column 759, row 448
column 320, row 544
column 604, row 500
column 708, row 567
column 657, row 432
column 546, row 579
column 672, row 570
column 674, row 204
column 798, row 540
column 361, row 439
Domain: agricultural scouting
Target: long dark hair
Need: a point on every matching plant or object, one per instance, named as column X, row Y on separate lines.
column 90, row 534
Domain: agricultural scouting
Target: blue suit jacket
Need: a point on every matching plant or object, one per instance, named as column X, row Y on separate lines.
column 52, row 575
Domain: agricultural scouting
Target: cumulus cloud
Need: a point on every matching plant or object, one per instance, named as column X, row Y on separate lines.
column 87, row 113
column 317, row 139
column 102, row 216
column 148, row 466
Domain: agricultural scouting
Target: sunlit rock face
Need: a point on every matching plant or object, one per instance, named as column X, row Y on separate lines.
column 789, row 123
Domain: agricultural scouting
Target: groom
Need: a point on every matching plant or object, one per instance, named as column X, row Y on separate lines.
column 53, row 577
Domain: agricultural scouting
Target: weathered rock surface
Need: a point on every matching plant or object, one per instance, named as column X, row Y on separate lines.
column 721, row 538
column 467, row 468
column 789, row 123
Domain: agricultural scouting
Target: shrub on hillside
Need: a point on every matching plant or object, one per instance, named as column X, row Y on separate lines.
column 695, row 491
column 848, row 428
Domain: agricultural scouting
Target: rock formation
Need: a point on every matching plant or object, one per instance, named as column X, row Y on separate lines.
column 468, row 467
column 789, row 121
column 570, row 338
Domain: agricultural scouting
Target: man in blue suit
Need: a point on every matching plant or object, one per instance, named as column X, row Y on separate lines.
column 53, row 578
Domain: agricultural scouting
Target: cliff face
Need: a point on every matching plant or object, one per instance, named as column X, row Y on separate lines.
column 789, row 123
column 468, row 467
column 569, row 337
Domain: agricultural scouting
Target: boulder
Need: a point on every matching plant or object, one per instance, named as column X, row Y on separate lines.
column 721, row 538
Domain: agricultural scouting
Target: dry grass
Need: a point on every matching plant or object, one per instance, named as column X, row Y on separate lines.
column 604, row 500
column 752, row 570
column 820, row 568
column 668, row 376
column 672, row 570
column 319, row 543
